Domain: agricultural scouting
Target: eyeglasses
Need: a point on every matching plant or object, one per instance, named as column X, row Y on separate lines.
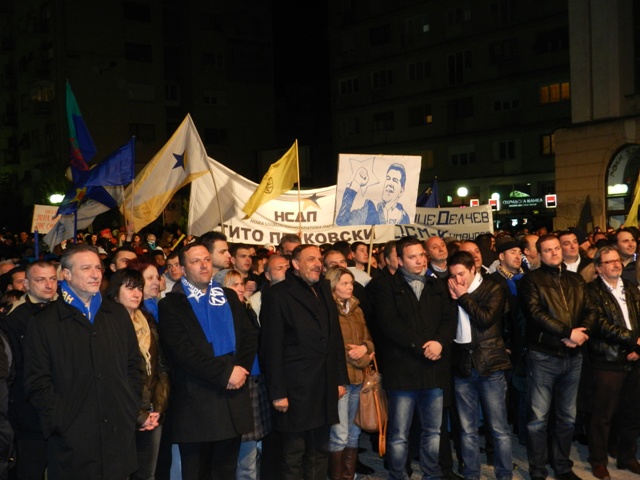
column 609, row 262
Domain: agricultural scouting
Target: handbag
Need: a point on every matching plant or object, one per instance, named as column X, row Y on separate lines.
column 372, row 410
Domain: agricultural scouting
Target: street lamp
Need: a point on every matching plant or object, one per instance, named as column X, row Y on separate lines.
column 463, row 192
column 56, row 198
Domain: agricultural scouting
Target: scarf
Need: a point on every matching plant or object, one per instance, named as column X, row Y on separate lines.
column 463, row 333
column 512, row 278
column 214, row 314
column 143, row 332
column 70, row 297
column 151, row 306
column 416, row 282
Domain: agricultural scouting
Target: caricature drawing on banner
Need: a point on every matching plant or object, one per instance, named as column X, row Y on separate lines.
column 377, row 189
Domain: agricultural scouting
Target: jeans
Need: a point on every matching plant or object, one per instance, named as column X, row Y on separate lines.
column 247, row 461
column 346, row 433
column 148, row 446
column 490, row 393
column 552, row 381
column 402, row 404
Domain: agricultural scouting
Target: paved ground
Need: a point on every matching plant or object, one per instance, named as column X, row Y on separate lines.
column 579, row 456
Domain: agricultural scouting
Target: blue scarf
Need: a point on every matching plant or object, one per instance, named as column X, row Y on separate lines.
column 214, row 314
column 70, row 297
column 151, row 306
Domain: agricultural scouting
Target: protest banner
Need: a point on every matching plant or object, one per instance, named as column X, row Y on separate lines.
column 44, row 218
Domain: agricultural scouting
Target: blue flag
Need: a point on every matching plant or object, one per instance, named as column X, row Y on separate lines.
column 430, row 197
column 116, row 169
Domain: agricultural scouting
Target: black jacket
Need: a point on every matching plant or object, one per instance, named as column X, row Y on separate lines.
column 611, row 341
column 23, row 417
column 554, row 302
column 201, row 409
column 486, row 352
column 84, row 379
column 405, row 324
column 302, row 353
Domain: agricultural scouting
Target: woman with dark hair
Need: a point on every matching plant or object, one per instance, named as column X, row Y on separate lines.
column 126, row 287
column 151, row 292
column 358, row 345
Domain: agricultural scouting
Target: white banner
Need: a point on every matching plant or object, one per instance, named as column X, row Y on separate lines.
column 44, row 218
column 280, row 216
column 377, row 189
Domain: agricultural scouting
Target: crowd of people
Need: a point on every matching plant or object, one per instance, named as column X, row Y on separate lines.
column 130, row 355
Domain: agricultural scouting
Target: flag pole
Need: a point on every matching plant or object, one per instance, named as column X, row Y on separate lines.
column 299, row 200
column 373, row 228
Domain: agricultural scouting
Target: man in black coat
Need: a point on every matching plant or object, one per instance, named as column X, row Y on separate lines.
column 211, row 344
column 304, row 362
column 31, row 447
column 416, row 322
column 83, row 375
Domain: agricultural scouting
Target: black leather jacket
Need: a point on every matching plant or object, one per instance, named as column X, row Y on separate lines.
column 554, row 302
column 611, row 341
column 486, row 352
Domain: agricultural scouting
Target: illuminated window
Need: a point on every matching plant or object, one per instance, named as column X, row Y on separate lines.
column 555, row 93
column 548, row 144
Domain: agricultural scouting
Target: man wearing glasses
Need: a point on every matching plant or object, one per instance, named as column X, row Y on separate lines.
column 613, row 354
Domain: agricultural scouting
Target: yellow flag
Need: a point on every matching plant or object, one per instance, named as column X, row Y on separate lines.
column 632, row 217
column 278, row 180
column 179, row 162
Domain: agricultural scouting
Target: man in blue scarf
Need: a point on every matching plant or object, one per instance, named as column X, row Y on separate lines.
column 211, row 344
column 83, row 375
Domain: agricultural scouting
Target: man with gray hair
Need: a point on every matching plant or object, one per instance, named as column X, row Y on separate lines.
column 83, row 375
column 613, row 352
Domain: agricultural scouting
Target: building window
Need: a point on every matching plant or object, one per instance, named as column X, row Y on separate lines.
column 381, row 79
column 138, row 52
column 552, row 40
column 504, row 8
column 213, row 60
column 503, row 51
column 215, row 136
column 172, row 93
column 416, row 26
column 636, row 46
column 379, row 36
column 555, row 93
column 457, row 64
column 458, row 16
column 420, row 115
column 548, row 144
column 419, row 70
column 214, row 98
column 427, row 160
column 507, row 150
column 348, row 85
column 349, row 127
column 462, row 156
column 505, row 102
column 137, row 12
column 460, row 108
column 144, row 132
column 383, row 122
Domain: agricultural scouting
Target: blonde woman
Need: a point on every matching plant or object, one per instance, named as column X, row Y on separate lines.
column 343, row 441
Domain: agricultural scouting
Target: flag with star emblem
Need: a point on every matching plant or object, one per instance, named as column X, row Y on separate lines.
column 179, row 162
column 280, row 178
column 116, row 169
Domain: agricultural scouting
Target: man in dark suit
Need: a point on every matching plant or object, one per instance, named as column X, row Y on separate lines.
column 303, row 359
column 211, row 345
